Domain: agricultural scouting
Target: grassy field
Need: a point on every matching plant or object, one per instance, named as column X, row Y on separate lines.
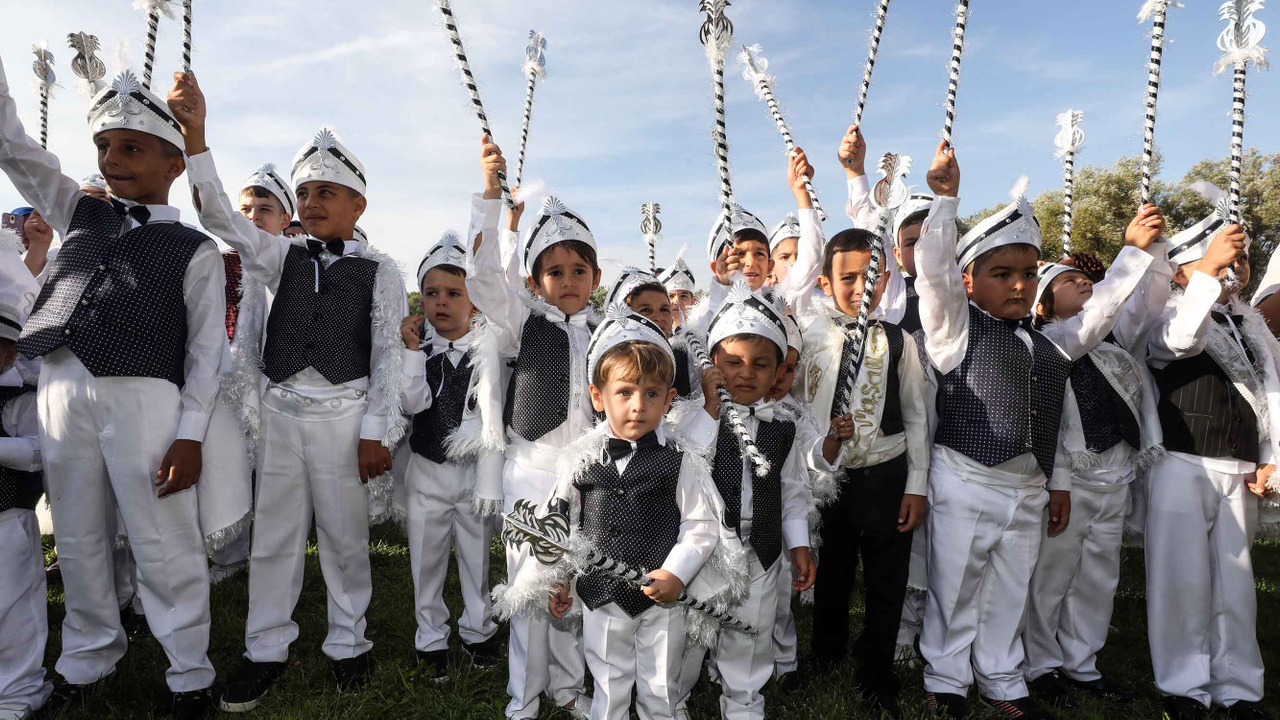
column 306, row 691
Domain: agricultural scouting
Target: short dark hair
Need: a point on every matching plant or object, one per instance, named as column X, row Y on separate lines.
column 169, row 150
column 748, row 234
column 647, row 287
column 262, row 194
column 916, row 218
column 977, row 263
column 753, row 339
column 583, row 250
column 851, row 240
column 451, row 269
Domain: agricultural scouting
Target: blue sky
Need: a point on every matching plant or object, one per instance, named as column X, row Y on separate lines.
column 625, row 115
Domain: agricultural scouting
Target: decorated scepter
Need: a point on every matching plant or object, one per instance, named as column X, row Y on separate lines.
column 746, row 443
column 535, row 69
column 1156, row 10
column 548, row 538
column 957, row 49
column 1239, row 45
column 154, row 9
column 716, row 34
column 651, row 226
column 186, row 36
column 43, row 67
column 882, row 12
column 1068, row 141
column 86, row 65
column 451, row 29
column 889, row 194
column 756, row 72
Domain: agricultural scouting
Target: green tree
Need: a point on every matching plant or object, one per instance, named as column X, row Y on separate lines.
column 415, row 303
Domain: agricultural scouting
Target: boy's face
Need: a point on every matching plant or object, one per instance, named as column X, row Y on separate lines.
column 784, row 256
column 750, row 367
column 446, row 303
column 849, row 278
column 1070, row 291
column 266, row 213
column 136, row 165
column 1004, row 281
column 567, row 279
column 329, row 211
column 756, row 263
column 681, row 301
column 633, row 409
column 8, row 353
column 786, row 376
column 905, row 252
column 654, row 305
column 1241, row 268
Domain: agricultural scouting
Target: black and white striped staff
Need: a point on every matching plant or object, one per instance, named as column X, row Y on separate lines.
column 1069, row 139
column 882, row 12
column 45, row 78
column 1239, row 45
column 889, row 194
column 716, row 34
column 535, row 69
column 1155, row 10
column 650, row 226
column 756, row 71
column 745, row 442
column 186, row 36
column 154, row 9
column 469, row 80
column 957, row 50
column 86, row 65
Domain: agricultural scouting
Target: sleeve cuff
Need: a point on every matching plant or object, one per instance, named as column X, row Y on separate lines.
column 1266, row 455
column 818, row 461
column 373, row 427
column 796, row 533
column 414, row 362
column 1061, row 479
column 944, row 209
column 200, row 168
column 702, row 429
column 1203, row 286
column 193, row 425
column 683, row 562
column 918, row 482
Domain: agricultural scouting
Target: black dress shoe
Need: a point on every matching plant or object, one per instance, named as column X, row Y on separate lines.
column 1104, row 689
column 1247, row 711
column 435, row 663
column 191, row 705
column 353, row 673
column 1053, row 689
column 946, row 705
column 1019, row 709
column 249, row 685
column 486, row 652
column 134, row 624
column 1183, row 708
column 790, row 683
column 67, row 696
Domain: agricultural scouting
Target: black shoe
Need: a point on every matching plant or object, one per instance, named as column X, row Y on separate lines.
column 1183, row 708
column 1247, row 711
column 486, row 652
column 353, row 673
column 1021, row 708
column 790, row 683
column 1104, row 689
column 1053, row 689
column 134, row 624
column 946, row 704
column 249, row 685
column 435, row 663
column 191, row 705
column 67, row 696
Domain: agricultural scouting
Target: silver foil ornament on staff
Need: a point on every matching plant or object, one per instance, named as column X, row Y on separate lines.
column 535, row 69
column 1239, row 43
column 45, row 79
column 650, row 227
column 548, row 539
column 86, row 64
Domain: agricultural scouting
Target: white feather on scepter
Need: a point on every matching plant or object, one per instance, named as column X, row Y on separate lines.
column 1239, row 41
column 1068, row 142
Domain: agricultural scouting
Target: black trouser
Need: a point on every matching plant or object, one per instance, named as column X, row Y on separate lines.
column 863, row 520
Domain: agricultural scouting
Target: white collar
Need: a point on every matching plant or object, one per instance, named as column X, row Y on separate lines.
column 440, row 344
column 578, row 319
column 662, row 436
column 11, row 377
column 159, row 213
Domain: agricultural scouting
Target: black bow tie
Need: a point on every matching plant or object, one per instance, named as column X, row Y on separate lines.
column 1024, row 323
column 335, row 247
column 139, row 213
column 1221, row 318
column 619, row 448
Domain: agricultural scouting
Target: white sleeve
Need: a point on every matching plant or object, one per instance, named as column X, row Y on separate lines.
column 487, row 282
column 1268, row 285
column 915, row 416
column 1061, row 479
column 1179, row 333
column 700, row 428
column 698, row 527
column 261, row 253
column 795, row 498
column 860, row 209
column 204, row 288
column 797, row 288
column 1078, row 335
column 21, row 450
column 376, row 414
column 417, row 393
column 1147, row 301
column 35, row 172
column 944, row 303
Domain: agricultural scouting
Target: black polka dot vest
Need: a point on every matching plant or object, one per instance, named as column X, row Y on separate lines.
column 774, row 439
column 18, row 488
column 1000, row 402
column 116, row 301
column 538, row 394
column 330, row 330
column 449, row 386
column 1104, row 415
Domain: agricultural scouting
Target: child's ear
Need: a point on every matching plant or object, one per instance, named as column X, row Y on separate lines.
column 361, row 204
column 968, row 282
column 534, row 286
column 597, row 399
column 671, row 397
column 825, row 283
column 596, row 283
column 1040, row 312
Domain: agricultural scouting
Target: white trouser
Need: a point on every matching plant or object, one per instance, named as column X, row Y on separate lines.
column 1073, row 588
column 785, row 641
column 103, row 440
column 744, row 663
column 543, row 655
column 123, row 568
column 917, row 585
column 983, row 544
column 305, row 467
column 1201, row 602
column 24, row 626
column 439, row 508
column 643, row 652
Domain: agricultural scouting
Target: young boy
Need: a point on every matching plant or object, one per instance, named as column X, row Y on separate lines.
column 640, row 498
column 24, row 626
column 648, row 297
column 748, row 341
column 454, row 474
column 546, row 332
column 331, row 403
column 130, row 326
column 784, row 242
column 681, row 286
column 1000, row 395
column 1211, row 358
column 1103, row 423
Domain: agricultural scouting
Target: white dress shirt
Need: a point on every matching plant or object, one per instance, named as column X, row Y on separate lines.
column 37, row 175
column 262, row 257
column 21, row 450
column 418, row 394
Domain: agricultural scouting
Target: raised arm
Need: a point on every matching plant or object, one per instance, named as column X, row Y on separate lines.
column 487, row 277
column 853, row 156
column 944, row 302
column 797, row 287
column 1179, row 333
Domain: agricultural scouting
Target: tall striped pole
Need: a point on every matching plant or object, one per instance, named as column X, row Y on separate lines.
column 154, row 9
column 45, row 78
column 1239, row 45
column 716, row 34
column 186, row 36
column 957, row 51
column 535, row 69
column 1068, row 141
column 882, row 12
column 1155, row 10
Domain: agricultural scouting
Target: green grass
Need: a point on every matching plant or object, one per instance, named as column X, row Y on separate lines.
column 399, row 690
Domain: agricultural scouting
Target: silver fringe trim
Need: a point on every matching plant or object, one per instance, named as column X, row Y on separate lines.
column 481, row 507
column 219, row 539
